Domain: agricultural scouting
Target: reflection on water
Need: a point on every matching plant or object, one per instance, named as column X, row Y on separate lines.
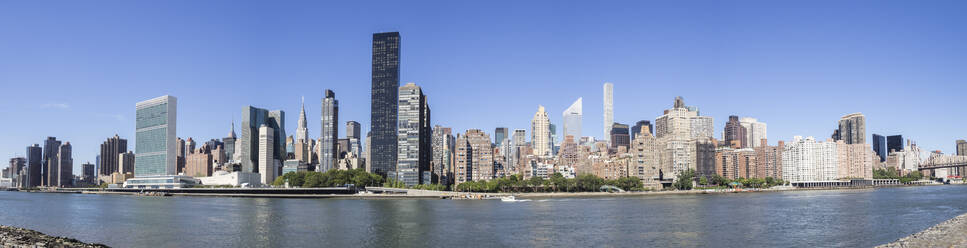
column 798, row 219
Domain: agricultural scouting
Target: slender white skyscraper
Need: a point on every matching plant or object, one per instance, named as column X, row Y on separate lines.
column 608, row 110
column 266, row 163
column 302, row 133
column 541, row 133
column 572, row 119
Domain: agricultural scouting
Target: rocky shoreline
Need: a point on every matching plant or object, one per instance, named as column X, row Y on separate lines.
column 950, row 233
column 24, row 238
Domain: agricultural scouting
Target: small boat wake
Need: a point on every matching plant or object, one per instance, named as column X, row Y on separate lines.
column 513, row 199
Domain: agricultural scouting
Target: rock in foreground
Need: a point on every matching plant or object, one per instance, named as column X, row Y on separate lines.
column 950, row 233
column 20, row 237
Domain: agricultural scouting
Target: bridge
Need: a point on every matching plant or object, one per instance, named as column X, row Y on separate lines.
column 939, row 161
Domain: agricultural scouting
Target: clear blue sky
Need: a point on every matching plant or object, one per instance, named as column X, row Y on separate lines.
column 75, row 69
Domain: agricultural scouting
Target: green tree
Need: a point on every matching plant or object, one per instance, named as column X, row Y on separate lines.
column 684, row 180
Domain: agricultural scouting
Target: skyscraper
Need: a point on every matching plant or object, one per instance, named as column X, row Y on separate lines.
column 572, row 117
column 302, row 132
column 229, row 142
column 156, row 126
column 65, row 163
column 500, row 134
column 894, row 143
column 330, row 132
column 50, row 166
column 608, row 110
column 541, row 133
column 109, row 154
column 474, row 157
column 636, row 129
column 961, row 148
column 735, row 133
column 34, row 166
column 87, row 173
column 852, row 129
column 755, row 131
column 252, row 120
column 879, row 146
column 355, row 140
column 386, row 83
column 414, row 136
column 266, row 148
column 620, row 136
column 442, row 163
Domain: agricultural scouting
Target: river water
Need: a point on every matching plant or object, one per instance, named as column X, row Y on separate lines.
column 842, row 218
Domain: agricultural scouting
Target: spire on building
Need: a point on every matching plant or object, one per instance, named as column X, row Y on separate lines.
column 232, row 133
column 302, row 133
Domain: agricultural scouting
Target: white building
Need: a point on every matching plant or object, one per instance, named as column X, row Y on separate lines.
column 267, row 164
column 805, row 160
column 235, row 178
column 755, row 131
column 608, row 110
column 541, row 133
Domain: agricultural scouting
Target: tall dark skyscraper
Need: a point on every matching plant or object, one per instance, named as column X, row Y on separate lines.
column 35, row 166
column 499, row 135
column 636, row 129
column 894, row 143
column 735, row 132
column 50, row 162
column 385, row 93
column 329, row 135
column 619, row 136
column 879, row 146
column 109, row 155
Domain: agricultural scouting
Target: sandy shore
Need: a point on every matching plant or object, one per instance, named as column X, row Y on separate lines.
column 21, row 237
column 950, row 233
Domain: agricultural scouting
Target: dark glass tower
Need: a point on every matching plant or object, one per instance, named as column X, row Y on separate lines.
column 386, row 84
column 499, row 135
column 894, row 143
column 879, row 146
column 636, row 129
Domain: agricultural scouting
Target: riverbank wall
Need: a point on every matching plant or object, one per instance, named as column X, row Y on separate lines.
column 24, row 238
column 950, row 233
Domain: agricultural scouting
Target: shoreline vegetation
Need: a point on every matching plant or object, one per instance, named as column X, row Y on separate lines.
column 22, row 237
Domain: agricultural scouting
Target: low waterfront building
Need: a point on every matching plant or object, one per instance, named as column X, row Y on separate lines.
column 235, row 179
column 160, row 182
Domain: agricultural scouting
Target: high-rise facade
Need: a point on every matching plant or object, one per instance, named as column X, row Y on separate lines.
column 266, row 147
column 443, row 148
column 248, row 149
column 645, row 161
column 879, row 147
column 572, row 118
column 109, row 154
column 682, row 131
column 804, row 159
column 34, row 166
column 156, row 124
column 620, row 136
column 353, row 132
column 383, row 117
column 769, row 159
column 608, row 110
column 414, row 136
column 894, row 143
column 65, row 164
column 541, row 133
column 735, row 133
column 329, row 135
column 230, row 143
column 126, row 163
column 961, row 148
column 642, row 124
column 854, row 161
column 302, row 131
column 50, row 166
column 500, row 134
column 755, row 131
column 87, row 173
column 852, row 129
column 474, row 158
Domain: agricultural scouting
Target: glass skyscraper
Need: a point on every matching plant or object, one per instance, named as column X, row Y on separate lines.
column 385, row 91
column 879, row 146
column 329, row 133
column 155, row 137
column 573, row 116
column 252, row 119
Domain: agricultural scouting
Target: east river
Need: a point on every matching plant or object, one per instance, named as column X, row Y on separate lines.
column 842, row 218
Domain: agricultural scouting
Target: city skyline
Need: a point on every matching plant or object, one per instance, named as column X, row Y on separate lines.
column 641, row 94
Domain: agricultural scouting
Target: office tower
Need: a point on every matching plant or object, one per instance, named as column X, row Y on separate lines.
column 386, row 83
column 109, row 153
column 252, row 120
column 126, row 163
column 636, row 129
column 229, row 142
column 156, row 127
column 572, row 119
column 804, row 159
column 266, row 149
column 49, row 174
column 16, row 167
column 620, row 136
column 879, row 146
column 414, row 135
column 302, row 132
column 65, row 163
column 608, row 110
column 552, row 139
column 353, row 130
column 755, row 131
column 852, row 129
column 541, row 133
column 735, row 133
column 961, row 148
column 180, row 155
column 500, row 134
column 894, row 143
column 474, row 157
column 443, row 148
column 367, row 152
column 189, row 146
column 200, row 162
column 769, row 159
column 87, row 173
column 330, row 132
column 35, row 162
